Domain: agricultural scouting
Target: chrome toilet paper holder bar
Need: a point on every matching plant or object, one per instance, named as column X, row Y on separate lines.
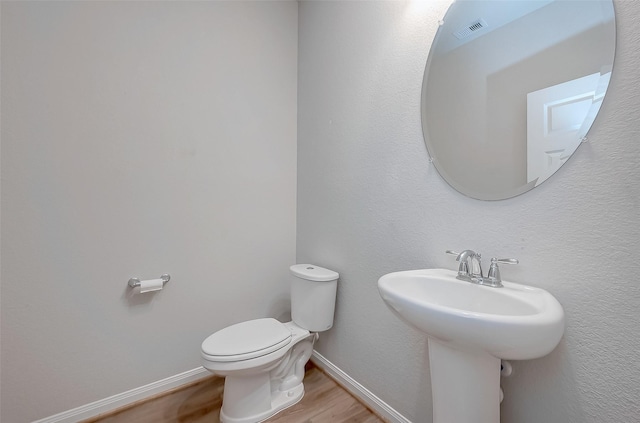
column 134, row 282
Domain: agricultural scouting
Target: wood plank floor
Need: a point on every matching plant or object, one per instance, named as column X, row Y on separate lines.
column 324, row 401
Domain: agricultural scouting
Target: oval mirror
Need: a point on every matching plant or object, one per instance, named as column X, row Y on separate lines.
column 511, row 89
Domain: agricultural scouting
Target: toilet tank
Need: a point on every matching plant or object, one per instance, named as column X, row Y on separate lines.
column 313, row 296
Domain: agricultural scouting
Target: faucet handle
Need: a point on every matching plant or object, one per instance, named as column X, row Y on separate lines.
column 453, row 253
column 493, row 277
column 505, row 260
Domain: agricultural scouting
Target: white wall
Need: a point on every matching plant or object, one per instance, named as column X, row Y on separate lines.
column 139, row 138
column 369, row 203
column 151, row 137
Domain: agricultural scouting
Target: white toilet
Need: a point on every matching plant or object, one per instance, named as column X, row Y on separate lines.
column 263, row 359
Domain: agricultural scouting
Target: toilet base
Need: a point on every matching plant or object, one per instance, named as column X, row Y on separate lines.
column 258, row 388
column 257, row 394
column 279, row 401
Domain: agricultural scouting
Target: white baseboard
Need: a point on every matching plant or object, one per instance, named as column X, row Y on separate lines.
column 120, row 400
column 129, row 397
column 357, row 390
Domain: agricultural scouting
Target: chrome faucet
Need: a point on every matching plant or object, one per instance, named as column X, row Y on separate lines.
column 470, row 268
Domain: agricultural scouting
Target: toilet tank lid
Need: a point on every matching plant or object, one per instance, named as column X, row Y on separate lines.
column 311, row 272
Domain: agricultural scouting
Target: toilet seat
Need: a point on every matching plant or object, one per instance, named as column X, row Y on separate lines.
column 246, row 340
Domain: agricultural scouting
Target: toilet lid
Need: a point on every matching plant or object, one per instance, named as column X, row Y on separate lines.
column 246, row 340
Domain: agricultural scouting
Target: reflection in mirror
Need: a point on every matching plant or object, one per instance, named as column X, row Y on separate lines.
column 512, row 87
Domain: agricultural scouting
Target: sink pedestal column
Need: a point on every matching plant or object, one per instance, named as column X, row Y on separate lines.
column 465, row 385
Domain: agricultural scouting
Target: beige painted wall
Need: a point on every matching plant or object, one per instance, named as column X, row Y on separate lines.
column 139, row 138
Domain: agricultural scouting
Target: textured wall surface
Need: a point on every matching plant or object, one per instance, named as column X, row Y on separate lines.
column 369, row 203
column 139, row 138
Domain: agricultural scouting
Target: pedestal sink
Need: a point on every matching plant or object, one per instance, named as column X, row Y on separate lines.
column 470, row 328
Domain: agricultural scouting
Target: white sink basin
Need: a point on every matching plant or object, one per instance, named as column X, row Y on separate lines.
column 470, row 328
column 514, row 322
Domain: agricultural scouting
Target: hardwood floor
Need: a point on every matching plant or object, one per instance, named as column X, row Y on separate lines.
column 324, row 402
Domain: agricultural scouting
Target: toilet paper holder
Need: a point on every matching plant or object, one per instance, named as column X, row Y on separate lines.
column 133, row 282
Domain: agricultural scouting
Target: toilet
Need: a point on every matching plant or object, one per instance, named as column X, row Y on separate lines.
column 263, row 360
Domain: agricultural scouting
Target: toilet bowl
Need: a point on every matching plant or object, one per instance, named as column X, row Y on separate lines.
column 263, row 360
